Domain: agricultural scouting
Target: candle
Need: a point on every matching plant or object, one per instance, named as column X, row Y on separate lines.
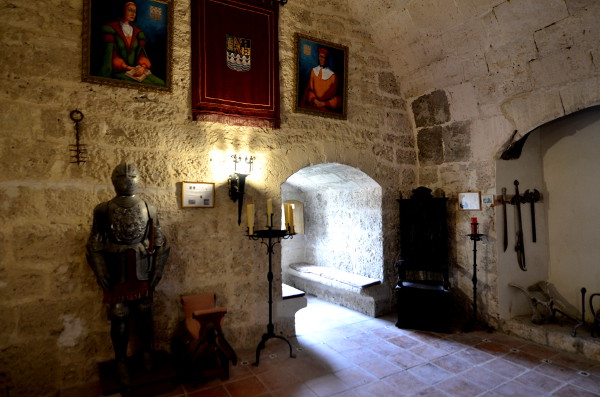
column 291, row 209
column 269, row 211
column 286, row 215
column 250, row 213
column 474, row 226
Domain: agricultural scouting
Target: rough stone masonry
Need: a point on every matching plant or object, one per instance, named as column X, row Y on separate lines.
column 501, row 66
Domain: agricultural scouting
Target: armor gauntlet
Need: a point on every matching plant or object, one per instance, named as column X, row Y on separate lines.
column 161, row 255
column 96, row 262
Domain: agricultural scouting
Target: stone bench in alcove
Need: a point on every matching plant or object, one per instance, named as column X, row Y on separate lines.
column 363, row 294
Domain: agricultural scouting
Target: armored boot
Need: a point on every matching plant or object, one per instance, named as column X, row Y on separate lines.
column 145, row 322
column 119, row 333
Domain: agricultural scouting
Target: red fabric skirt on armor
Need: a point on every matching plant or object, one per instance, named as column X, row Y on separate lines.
column 132, row 289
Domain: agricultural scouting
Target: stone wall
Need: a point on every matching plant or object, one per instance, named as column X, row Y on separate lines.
column 53, row 327
column 479, row 75
column 345, row 231
column 504, row 68
column 341, row 220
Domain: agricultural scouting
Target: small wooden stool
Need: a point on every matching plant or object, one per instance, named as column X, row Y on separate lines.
column 206, row 352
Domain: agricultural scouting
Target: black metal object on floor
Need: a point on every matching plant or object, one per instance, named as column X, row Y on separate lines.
column 270, row 237
column 475, row 237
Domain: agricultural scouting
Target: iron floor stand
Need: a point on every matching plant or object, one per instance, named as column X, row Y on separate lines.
column 270, row 237
column 474, row 323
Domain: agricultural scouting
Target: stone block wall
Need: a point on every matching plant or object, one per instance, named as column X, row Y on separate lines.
column 344, row 231
column 54, row 328
column 504, row 68
column 479, row 75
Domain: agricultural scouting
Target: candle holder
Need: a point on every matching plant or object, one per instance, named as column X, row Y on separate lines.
column 270, row 237
column 475, row 236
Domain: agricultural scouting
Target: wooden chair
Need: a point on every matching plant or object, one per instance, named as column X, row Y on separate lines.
column 202, row 346
column 423, row 289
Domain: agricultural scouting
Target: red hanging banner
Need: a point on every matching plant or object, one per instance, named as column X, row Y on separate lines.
column 235, row 62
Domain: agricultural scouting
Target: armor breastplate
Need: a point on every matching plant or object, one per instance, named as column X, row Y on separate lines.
column 128, row 223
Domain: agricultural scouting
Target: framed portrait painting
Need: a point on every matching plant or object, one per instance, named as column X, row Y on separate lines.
column 321, row 77
column 128, row 43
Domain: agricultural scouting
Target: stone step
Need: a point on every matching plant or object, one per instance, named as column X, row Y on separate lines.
column 363, row 294
column 289, row 292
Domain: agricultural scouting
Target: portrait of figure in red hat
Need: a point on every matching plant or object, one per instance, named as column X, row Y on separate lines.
column 321, row 77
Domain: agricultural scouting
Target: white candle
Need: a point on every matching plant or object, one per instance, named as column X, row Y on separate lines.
column 291, row 209
column 286, row 214
column 250, row 212
column 269, row 211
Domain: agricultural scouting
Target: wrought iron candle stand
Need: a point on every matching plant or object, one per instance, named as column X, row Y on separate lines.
column 270, row 237
column 475, row 236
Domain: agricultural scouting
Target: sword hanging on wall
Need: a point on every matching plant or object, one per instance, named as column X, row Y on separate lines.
column 532, row 198
column 520, row 246
column 505, row 233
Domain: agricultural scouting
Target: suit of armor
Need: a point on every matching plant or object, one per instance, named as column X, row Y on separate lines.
column 127, row 252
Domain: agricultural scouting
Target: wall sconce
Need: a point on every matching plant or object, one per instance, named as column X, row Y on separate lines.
column 237, row 180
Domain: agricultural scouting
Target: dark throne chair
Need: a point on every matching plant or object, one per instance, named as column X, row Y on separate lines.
column 423, row 288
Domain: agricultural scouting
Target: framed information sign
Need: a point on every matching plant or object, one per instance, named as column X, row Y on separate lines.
column 197, row 195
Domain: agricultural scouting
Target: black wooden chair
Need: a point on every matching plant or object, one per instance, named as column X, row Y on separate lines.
column 423, row 288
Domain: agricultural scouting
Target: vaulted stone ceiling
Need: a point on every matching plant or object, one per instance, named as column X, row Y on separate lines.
column 419, row 33
column 331, row 176
column 508, row 66
column 456, row 39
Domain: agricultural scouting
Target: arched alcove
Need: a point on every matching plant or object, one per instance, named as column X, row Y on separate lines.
column 560, row 160
column 342, row 221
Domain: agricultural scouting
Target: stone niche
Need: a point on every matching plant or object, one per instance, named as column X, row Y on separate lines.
column 339, row 257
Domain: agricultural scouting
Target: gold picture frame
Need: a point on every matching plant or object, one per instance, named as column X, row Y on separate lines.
column 109, row 57
column 331, row 60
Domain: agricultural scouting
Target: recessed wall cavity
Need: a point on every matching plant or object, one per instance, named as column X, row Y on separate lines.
column 342, row 220
column 560, row 160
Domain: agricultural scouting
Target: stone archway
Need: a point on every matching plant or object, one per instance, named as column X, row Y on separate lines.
column 342, row 231
column 559, row 159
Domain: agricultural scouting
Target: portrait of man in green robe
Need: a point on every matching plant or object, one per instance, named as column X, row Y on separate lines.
column 129, row 42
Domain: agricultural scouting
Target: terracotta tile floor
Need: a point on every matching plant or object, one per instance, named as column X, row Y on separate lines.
column 346, row 354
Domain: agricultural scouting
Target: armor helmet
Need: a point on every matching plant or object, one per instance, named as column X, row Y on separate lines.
column 126, row 179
